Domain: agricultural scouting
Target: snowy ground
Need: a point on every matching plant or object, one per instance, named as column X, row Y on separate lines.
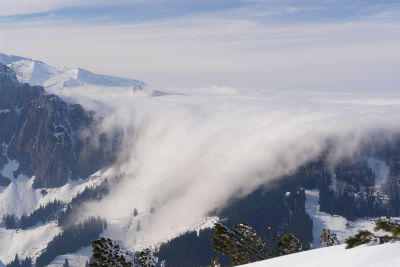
column 77, row 259
column 19, row 198
column 128, row 234
column 386, row 255
column 338, row 224
column 29, row 242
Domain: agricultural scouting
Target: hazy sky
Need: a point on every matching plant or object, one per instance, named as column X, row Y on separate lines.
column 271, row 44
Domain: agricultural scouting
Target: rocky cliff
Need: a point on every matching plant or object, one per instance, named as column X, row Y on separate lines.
column 46, row 137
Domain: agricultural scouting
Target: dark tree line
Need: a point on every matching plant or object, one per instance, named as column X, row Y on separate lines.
column 72, row 239
column 43, row 214
column 54, row 210
column 244, row 245
column 89, row 194
column 353, row 204
column 27, row 262
column 272, row 207
column 190, row 249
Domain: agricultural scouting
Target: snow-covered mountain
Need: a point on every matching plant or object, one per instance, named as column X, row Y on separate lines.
column 36, row 72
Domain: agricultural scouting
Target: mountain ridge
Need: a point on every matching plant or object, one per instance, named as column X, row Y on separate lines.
column 43, row 135
column 36, row 72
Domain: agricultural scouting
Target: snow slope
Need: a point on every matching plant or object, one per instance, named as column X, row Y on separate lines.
column 53, row 79
column 386, row 255
column 77, row 259
column 19, row 198
column 123, row 235
column 338, row 224
column 129, row 234
column 29, row 242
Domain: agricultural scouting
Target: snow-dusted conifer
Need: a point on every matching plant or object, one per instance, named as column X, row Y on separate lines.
column 107, row 252
column 288, row 244
column 328, row 238
column 147, row 258
column 242, row 244
column 362, row 237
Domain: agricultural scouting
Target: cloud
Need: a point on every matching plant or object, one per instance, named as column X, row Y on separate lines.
column 189, row 154
column 288, row 10
column 200, row 51
column 23, row 7
column 231, row 46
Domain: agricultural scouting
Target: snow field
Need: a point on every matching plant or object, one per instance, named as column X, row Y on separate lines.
column 385, row 255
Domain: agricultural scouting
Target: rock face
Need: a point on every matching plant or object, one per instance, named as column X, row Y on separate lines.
column 49, row 138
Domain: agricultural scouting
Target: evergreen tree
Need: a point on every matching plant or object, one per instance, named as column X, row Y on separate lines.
column 66, row 263
column 15, row 262
column 135, row 212
column 365, row 236
column 27, row 262
column 328, row 238
column 9, row 222
column 288, row 244
column 362, row 237
column 146, row 258
column 242, row 244
column 107, row 252
column 389, row 227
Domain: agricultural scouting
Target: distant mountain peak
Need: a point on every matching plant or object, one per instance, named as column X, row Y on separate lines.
column 36, row 72
column 7, row 72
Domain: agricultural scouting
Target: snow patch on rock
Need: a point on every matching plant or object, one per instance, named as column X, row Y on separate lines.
column 9, row 169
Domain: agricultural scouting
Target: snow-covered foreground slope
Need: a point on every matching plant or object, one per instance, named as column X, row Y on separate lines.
column 386, row 255
column 53, row 79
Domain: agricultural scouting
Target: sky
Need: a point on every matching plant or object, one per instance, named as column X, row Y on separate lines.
column 271, row 44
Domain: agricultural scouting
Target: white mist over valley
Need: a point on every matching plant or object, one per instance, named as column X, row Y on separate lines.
column 188, row 153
